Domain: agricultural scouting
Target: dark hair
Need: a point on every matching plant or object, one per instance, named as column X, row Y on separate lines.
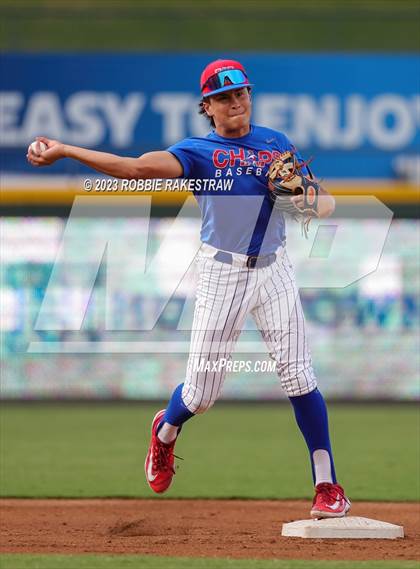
column 201, row 111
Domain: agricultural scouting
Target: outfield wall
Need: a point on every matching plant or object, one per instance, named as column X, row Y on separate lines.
column 346, row 110
column 349, row 111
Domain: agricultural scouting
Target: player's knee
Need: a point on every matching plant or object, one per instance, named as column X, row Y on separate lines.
column 203, row 406
column 196, row 401
column 200, row 405
column 298, row 384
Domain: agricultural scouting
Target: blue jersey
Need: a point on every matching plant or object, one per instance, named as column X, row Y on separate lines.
column 237, row 216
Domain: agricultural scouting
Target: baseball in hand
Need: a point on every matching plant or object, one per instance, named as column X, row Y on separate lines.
column 37, row 147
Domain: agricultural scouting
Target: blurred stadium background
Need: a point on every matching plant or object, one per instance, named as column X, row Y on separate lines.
column 341, row 78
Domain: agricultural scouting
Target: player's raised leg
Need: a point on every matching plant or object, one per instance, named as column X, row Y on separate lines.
column 224, row 297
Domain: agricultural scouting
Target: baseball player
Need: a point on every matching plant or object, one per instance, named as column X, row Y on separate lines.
column 243, row 266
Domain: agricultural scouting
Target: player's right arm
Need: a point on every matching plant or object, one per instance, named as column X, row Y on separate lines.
column 159, row 164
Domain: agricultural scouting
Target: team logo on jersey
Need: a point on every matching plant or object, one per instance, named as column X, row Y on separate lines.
column 229, row 158
column 251, row 159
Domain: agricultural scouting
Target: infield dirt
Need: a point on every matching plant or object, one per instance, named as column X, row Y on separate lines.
column 195, row 528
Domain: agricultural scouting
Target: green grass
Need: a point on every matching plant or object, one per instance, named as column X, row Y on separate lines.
column 246, row 451
column 202, row 25
column 146, row 562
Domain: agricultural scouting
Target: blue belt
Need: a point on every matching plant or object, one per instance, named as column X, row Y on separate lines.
column 251, row 262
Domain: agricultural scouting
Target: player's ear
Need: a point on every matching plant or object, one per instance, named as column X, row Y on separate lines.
column 207, row 107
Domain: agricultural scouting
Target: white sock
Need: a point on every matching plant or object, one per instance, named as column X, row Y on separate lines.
column 167, row 433
column 322, row 465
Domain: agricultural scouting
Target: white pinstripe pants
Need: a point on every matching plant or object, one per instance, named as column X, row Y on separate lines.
column 226, row 294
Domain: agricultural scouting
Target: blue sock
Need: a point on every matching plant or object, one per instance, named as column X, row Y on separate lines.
column 176, row 412
column 312, row 418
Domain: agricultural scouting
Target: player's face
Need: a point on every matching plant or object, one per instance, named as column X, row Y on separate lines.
column 231, row 111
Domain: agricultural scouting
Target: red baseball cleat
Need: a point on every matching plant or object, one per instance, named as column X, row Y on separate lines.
column 159, row 464
column 329, row 501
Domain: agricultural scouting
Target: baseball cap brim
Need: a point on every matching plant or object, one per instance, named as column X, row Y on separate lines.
column 228, row 88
